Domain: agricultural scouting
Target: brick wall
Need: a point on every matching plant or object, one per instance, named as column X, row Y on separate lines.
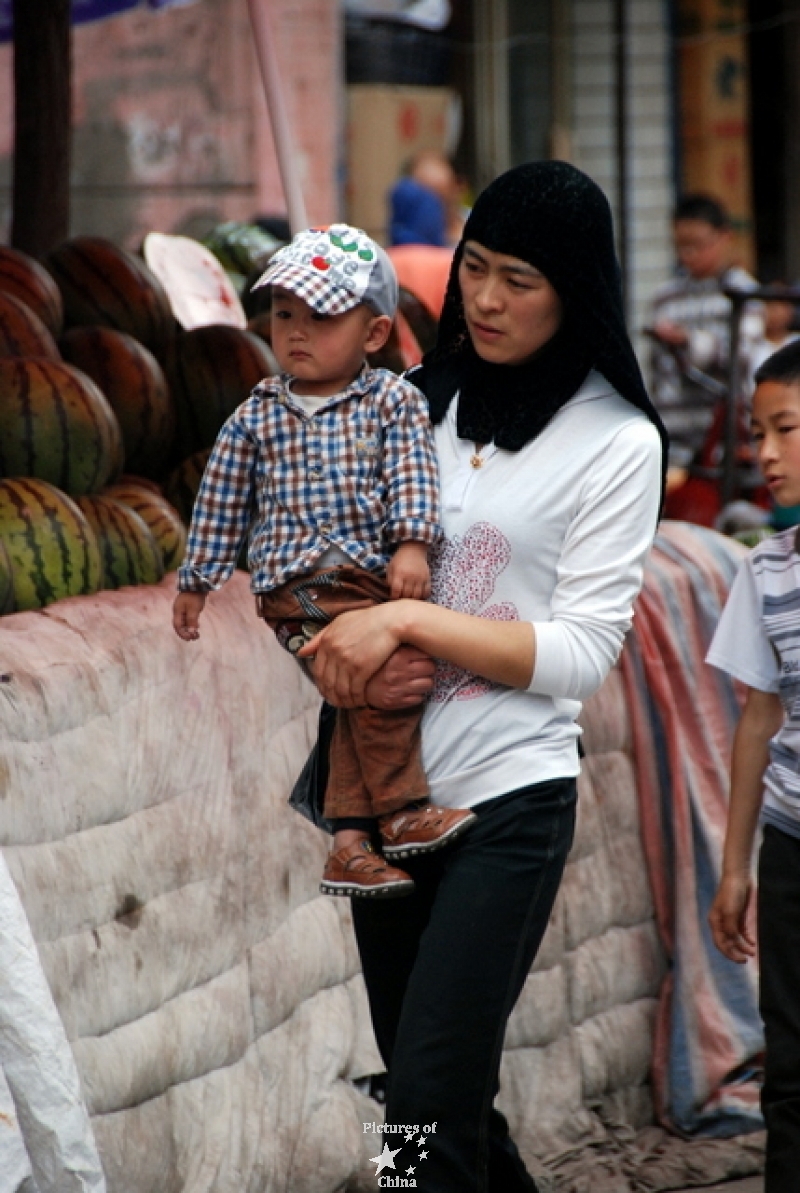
column 171, row 130
column 6, row 138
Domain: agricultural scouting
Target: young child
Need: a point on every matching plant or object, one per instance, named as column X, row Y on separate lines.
column 331, row 470
column 779, row 321
column 758, row 642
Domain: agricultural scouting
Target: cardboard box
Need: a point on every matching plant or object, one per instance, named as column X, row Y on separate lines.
column 386, row 125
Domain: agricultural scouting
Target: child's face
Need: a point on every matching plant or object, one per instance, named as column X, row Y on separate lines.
column 775, row 427
column 778, row 318
column 323, row 353
column 701, row 248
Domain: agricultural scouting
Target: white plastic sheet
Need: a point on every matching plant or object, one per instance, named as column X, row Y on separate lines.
column 427, row 14
column 40, row 1074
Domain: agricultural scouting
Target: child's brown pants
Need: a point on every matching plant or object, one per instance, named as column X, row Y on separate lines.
column 375, row 763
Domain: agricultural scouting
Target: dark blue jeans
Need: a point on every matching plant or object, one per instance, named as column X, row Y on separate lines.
column 779, row 955
column 444, row 968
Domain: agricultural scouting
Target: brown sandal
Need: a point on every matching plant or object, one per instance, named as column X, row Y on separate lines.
column 358, row 870
column 422, row 829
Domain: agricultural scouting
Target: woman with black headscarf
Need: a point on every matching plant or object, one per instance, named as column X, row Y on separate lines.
column 551, row 458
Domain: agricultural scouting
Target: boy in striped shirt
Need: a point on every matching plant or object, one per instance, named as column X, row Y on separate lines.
column 758, row 642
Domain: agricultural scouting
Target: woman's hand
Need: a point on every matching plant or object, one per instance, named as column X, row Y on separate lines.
column 729, row 915
column 352, row 648
column 405, row 680
column 349, row 651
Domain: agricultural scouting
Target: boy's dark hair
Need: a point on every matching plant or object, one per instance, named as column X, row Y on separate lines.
column 782, row 366
column 698, row 206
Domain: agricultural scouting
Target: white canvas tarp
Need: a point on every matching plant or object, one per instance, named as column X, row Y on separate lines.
column 46, row 1140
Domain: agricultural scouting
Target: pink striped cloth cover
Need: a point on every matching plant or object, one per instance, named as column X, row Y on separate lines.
column 708, row 1036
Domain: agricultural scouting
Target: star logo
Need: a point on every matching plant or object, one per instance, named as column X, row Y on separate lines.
column 409, row 1170
column 423, row 1155
column 385, row 1159
column 421, row 1141
column 409, row 1136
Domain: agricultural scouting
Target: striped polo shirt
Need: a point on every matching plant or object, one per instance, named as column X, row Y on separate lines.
column 758, row 642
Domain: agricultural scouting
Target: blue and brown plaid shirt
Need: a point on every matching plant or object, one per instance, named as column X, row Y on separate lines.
column 359, row 474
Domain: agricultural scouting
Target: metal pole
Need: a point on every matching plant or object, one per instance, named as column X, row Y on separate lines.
column 281, row 129
column 42, row 133
column 738, row 298
column 490, row 24
column 561, row 90
column 621, row 122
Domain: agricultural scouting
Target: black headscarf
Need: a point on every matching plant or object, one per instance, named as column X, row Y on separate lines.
column 557, row 219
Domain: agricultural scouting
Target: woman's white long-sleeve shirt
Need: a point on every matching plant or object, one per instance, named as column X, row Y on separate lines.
column 555, row 534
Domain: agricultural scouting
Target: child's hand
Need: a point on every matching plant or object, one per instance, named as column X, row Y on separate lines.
column 186, row 614
column 671, row 333
column 728, row 918
column 408, row 573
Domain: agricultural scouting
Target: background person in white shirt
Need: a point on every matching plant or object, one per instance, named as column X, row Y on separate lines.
column 550, row 457
column 690, row 320
column 780, row 317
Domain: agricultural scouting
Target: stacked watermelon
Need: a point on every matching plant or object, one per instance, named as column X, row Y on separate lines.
column 108, row 412
column 170, row 421
column 62, row 442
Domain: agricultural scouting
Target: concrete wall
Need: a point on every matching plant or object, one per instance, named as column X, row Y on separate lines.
column 212, row 997
column 171, row 130
column 594, row 149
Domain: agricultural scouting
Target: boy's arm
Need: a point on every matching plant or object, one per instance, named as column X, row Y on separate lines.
column 222, row 511
column 186, row 611
column 411, row 469
column 220, row 521
column 760, row 721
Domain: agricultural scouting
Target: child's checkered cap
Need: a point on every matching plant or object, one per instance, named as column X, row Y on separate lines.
column 334, row 269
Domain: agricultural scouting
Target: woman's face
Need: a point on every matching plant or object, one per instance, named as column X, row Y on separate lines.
column 510, row 307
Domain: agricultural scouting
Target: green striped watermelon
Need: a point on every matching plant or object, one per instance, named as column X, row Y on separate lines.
column 7, row 602
column 30, row 282
column 212, row 371
column 102, row 285
column 134, row 383
column 51, row 547
column 22, row 332
column 142, row 482
column 163, row 519
column 128, row 551
column 180, row 487
column 56, row 425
